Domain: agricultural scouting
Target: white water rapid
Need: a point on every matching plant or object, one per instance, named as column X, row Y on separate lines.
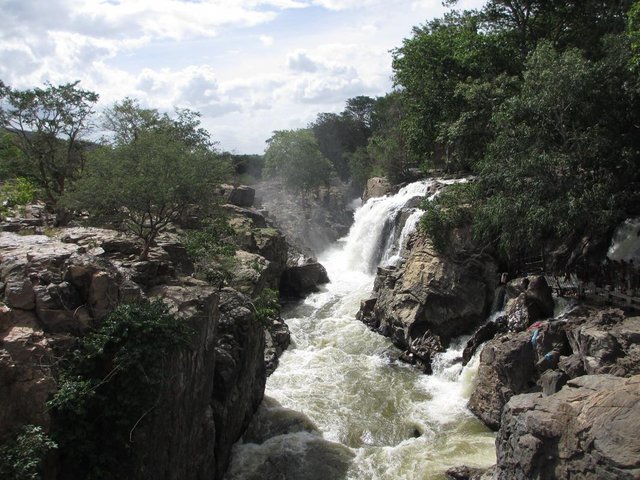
column 340, row 406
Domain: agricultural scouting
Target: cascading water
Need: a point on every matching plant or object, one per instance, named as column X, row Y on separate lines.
column 340, row 406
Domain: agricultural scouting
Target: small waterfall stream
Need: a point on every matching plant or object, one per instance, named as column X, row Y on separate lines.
column 340, row 406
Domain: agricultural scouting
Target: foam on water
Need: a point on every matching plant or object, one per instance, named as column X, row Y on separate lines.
column 378, row 418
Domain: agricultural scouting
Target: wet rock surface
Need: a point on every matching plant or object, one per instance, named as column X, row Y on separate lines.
column 422, row 303
column 299, row 280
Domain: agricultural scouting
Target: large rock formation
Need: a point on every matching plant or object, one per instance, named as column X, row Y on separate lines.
column 429, row 299
column 376, row 187
column 549, row 353
column 54, row 289
column 587, row 430
column 507, row 367
column 300, row 279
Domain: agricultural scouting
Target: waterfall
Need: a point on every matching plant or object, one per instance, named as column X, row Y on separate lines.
column 341, row 406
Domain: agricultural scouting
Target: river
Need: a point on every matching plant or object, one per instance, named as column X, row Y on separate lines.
column 340, row 405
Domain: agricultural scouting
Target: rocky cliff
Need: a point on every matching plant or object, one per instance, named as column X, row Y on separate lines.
column 57, row 287
column 562, row 392
column 429, row 299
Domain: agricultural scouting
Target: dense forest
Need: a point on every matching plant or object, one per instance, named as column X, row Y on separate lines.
column 537, row 100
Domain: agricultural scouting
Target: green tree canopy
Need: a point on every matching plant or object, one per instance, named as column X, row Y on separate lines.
column 46, row 127
column 147, row 181
column 294, row 156
column 440, row 71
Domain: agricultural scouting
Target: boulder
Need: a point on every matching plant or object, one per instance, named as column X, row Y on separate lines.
column 300, row 280
column 469, row 473
column 258, row 219
column 606, row 341
column 111, row 241
column 19, row 293
column 376, row 187
column 483, row 334
column 507, row 368
column 432, row 292
column 365, row 313
column 535, row 303
column 242, row 196
column 586, row 430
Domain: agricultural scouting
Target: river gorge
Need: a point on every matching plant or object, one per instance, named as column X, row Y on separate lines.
column 341, row 404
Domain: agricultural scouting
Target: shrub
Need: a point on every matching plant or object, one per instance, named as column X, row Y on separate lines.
column 21, row 458
column 267, row 305
column 109, row 386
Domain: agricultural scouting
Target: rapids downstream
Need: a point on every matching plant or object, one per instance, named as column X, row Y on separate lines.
column 340, row 406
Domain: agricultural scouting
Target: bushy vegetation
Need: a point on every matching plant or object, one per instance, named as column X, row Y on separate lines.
column 22, row 455
column 294, row 156
column 151, row 171
column 109, row 386
column 267, row 305
column 541, row 102
column 16, row 192
column 211, row 249
column 46, row 126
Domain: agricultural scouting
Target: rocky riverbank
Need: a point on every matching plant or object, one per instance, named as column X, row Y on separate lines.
column 57, row 287
column 557, row 379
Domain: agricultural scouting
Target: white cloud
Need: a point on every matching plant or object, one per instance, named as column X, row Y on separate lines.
column 220, row 57
column 266, row 40
column 301, row 62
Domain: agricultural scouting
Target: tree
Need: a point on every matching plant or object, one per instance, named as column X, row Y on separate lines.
column 294, row 156
column 126, row 119
column 337, row 136
column 47, row 126
column 432, row 68
column 564, row 163
column 148, row 182
column 633, row 30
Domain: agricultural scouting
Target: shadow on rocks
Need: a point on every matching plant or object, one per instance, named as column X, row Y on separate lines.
column 283, row 444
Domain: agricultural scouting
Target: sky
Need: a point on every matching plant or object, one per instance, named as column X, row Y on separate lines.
column 250, row 67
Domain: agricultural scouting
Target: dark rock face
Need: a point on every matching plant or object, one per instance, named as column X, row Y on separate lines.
column 54, row 290
column 277, row 340
column 587, row 430
column 241, row 196
column 300, row 280
column 240, row 373
column 535, row 303
column 178, row 439
column 507, row 367
column 468, row 473
column 431, row 296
